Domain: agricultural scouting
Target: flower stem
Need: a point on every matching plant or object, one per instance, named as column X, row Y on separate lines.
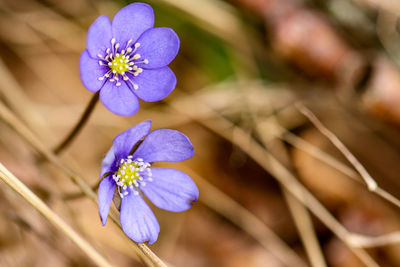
column 74, row 132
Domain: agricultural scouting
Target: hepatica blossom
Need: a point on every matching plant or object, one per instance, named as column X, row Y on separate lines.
column 132, row 175
column 127, row 59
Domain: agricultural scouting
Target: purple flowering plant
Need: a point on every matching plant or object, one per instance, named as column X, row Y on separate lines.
column 131, row 175
column 128, row 59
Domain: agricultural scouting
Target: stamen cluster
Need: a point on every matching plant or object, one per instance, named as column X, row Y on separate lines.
column 131, row 173
column 120, row 63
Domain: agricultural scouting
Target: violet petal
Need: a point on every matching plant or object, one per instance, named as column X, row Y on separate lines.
column 154, row 84
column 90, row 71
column 137, row 220
column 119, row 99
column 99, row 37
column 131, row 21
column 105, row 195
column 159, row 46
column 124, row 142
column 164, row 145
column 170, row 189
column 108, row 163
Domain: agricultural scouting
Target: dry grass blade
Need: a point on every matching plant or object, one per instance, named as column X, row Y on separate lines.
column 329, row 160
column 369, row 242
column 226, row 129
column 339, row 145
column 305, row 227
column 248, row 222
column 299, row 212
column 356, row 240
column 9, row 118
column 39, row 205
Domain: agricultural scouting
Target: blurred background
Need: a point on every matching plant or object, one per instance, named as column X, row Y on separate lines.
column 274, row 191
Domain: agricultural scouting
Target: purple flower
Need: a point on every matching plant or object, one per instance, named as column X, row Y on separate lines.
column 132, row 175
column 127, row 59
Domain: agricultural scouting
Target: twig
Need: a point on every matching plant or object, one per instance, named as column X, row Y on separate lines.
column 306, row 230
column 299, row 212
column 356, row 240
column 340, row 146
column 199, row 112
column 270, row 164
column 247, row 221
column 368, row 242
column 225, row 129
column 331, row 161
column 9, row 118
column 38, row 204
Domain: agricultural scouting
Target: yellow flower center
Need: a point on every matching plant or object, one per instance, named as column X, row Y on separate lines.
column 129, row 174
column 120, row 64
